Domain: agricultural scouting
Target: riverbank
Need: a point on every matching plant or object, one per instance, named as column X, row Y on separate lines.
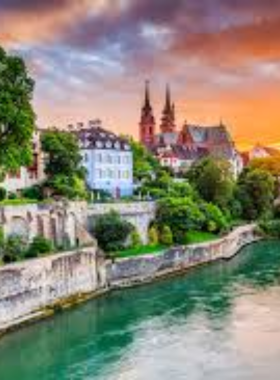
column 37, row 288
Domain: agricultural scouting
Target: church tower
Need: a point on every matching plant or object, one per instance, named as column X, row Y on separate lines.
column 147, row 123
column 168, row 114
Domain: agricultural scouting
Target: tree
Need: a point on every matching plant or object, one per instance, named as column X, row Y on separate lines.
column 269, row 164
column 213, row 180
column 255, row 192
column 17, row 118
column 144, row 163
column 111, row 231
column 166, row 236
column 181, row 215
column 153, row 236
column 64, row 164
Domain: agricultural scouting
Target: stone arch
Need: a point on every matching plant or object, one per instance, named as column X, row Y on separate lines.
column 19, row 227
column 40, row 226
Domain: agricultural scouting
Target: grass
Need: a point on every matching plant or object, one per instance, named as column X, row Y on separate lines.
column 194, row 237
column 22, row 201
column 139, row 251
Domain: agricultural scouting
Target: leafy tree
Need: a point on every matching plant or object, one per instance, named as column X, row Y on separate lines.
column 213, row 180
column 14, row 248
column 144, row 163
column 166, row 236
column 255, row 192
column 181, row 215
column 17, row 119
column 215, row 219
column 153, row 236
column 64, row 164
column 111, row 231
column 269, row 164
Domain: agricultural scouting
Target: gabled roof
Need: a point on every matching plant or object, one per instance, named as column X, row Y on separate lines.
column 216, row 134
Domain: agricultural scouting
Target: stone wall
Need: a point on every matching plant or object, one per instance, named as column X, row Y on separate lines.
column 27, row 288
column 130, row 271
column 56, row 221
column 140, row 214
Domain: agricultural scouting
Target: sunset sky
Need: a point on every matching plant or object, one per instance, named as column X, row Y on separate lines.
column 90, row 59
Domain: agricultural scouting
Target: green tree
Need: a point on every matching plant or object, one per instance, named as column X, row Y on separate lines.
column 181, row 215
column 17, row 118
column 153, row 236
column 111, row 231
column 166, row 236
column 144, row 163
column 64, row 164
column 213, row 180
column 255, row 192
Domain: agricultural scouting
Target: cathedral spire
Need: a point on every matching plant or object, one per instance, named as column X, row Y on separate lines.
column 147, row 103
column 167, row 99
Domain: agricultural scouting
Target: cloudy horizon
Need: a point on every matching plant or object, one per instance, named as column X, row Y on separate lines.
column 90, row 60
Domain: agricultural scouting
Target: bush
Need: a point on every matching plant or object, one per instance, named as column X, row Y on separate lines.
column 166, row 236
column 153, row 236
column 14, row 249
column 39, row 245
column 3, row 193
column 270, row 227
column 136, row 241
column 34, row 192
column 111, row 231
column 215, row 221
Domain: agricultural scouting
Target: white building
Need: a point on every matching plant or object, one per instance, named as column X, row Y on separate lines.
column 107, row 158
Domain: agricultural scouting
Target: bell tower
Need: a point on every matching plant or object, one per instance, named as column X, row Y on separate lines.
column 147, row 123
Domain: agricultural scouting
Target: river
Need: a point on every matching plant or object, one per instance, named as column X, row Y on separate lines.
column 218, row 322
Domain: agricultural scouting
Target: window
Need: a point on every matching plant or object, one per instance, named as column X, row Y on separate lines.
column 86, row 157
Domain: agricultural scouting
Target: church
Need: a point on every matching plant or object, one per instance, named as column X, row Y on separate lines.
column 179, row 148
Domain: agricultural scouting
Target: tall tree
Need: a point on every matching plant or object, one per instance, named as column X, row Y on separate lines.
column 64, row 164
column 17, row 118
column 213, row 180
column 255, row 192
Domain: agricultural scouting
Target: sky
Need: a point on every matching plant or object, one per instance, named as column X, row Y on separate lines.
column 90, row 59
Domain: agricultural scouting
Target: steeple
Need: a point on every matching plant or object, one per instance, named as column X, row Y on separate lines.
column 147, row 121
column 167, row 107
column 147, row 103
column 168, row 114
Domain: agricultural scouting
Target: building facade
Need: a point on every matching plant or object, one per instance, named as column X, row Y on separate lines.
column 107, row 158
column 179, row 148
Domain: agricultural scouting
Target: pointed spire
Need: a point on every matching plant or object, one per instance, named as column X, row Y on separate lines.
column 147, row 103
column 167, row 99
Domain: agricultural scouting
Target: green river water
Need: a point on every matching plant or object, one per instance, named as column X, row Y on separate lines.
column 220, row 322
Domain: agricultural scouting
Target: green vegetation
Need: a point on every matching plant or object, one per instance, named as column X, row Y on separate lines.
column 143, row 250
column 194, row 237
column 144, row 163
column 112, row 232
column 255, row 192
column 166, row 236
column 64, row 165
column 17, row 119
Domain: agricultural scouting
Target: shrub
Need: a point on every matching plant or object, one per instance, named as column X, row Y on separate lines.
column 14, row 248
column 111, row 231
column 166, row 236
column 153, row 236
column 270, row 227
column 136, row 241
column 34, row 192
column 215, row 221
column 3, row 193
column 39, row 245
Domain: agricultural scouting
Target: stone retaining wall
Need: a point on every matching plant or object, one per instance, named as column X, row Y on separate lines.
column 27, row 288
column 131, row 271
